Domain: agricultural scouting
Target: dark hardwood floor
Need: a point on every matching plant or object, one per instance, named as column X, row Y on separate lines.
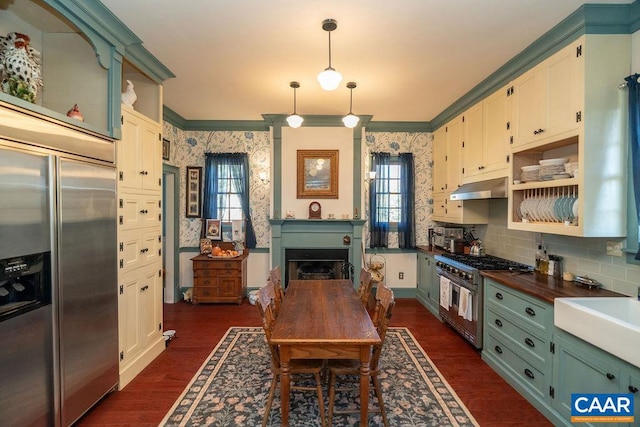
column 146, row 400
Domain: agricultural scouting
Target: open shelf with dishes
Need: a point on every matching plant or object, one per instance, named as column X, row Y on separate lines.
column 560, row 188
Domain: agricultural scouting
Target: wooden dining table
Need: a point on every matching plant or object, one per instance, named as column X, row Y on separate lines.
column 324, row 319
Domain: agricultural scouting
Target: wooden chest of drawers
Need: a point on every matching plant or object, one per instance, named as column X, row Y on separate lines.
column 219, row 279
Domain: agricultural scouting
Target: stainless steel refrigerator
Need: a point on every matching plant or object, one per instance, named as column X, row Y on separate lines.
column 58, row 286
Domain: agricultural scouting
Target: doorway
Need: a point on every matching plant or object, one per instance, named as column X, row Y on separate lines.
column 171, row 233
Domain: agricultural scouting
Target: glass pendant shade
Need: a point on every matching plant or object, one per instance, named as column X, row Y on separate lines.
column 329, row 79
column 350, row 120
column 295, row 121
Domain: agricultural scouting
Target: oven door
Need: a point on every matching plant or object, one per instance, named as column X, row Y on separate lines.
column 460, row 307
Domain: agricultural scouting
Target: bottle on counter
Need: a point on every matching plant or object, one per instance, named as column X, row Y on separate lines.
column 539, row 256
column 544, row 263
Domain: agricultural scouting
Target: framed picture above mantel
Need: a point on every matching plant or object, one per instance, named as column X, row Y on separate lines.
column 317, row 174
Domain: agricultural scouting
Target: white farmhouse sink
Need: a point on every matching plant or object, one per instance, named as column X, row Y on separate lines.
column 610, row 323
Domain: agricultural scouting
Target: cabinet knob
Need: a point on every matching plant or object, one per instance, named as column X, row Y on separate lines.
column 530, row 311
column 498, row 323
column 537, row 132
column 498, row 349
column 144, row 173
column 144, row 211
column 499, row 295
column 633, row 389
column 610, row 376
column 529, row 342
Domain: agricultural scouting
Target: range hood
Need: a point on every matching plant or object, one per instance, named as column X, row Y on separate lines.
column 489, row 189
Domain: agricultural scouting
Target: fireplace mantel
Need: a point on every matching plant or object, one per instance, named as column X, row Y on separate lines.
column 317, row 234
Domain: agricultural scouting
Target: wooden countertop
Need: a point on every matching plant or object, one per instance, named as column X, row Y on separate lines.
column 546, row 288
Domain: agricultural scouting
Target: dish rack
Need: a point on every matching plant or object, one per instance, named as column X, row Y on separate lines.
column 375, row 266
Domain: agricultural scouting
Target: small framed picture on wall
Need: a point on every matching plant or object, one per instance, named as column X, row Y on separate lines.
column 194, row 192
column 166, row 149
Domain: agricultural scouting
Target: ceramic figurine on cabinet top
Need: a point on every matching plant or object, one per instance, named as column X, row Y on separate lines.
column 129, row 96
column 20, row 67
column 75, row 113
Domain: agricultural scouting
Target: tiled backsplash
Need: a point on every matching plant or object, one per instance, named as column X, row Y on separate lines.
column 581, row 256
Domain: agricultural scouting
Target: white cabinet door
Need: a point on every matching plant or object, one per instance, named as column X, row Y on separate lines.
column 472, row 143
column 527, row 103
column 454, row 154
column 496, row 132
column 130, row 336
column 150, row 304
column 440, row 160
column 151, row 168
column 139, row 153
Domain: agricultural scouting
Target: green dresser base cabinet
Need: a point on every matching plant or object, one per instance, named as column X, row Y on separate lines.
column 544, row 363
column 428, row 292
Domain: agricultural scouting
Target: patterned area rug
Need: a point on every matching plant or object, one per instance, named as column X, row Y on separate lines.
column 232, row 385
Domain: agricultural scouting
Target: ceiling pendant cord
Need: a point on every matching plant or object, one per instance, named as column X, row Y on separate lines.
column 351, row 120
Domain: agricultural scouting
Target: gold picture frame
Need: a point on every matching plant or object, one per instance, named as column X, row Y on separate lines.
column 317, row 174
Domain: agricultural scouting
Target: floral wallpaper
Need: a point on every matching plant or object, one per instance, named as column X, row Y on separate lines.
column 420, row 144
column 188, row 148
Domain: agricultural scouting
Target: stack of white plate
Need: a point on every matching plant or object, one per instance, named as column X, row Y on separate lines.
column 551, row 167
column 530, row 173
column 571, row 168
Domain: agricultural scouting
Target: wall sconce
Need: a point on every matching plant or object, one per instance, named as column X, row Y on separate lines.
column 370, row 176
column 263, row 177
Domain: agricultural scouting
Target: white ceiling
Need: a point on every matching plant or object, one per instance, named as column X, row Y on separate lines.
column 411, row 59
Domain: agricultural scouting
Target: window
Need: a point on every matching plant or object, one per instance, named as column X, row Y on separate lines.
column 229, row 196
column 226, row 190
column 387, row 192
column 391, row 199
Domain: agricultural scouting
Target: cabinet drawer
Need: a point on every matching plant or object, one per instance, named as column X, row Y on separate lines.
column 201, row 292
column 205, row 281
column 217, row 265
column 529, row 345
column 534, row 313
column 216, row 273
column 521, row 370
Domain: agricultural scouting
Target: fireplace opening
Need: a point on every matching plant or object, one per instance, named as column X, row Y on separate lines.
column 317, row 264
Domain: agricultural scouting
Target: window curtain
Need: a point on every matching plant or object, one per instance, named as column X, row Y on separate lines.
column 379, row 219
column 634, row 139
column 237, row 166
column 406, row 225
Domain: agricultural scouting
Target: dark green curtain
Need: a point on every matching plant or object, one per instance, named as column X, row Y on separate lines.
column 406, row 225
column 379, row 217
column 235, row 165
column 634, row 140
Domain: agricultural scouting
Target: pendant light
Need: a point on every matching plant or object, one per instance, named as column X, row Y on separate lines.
column 329, row 78
column 351, row 120
column 294, row 119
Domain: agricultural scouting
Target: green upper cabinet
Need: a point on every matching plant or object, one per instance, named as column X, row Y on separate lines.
column 82, row 47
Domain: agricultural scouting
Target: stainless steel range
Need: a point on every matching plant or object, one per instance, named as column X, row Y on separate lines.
column 462, row 290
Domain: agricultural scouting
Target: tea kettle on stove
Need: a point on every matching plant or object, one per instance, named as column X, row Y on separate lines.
column 477, row 249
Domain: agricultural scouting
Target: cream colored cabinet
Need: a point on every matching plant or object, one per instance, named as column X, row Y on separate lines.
column 592, row 203
column 454, row 133
column 448, row 177
column 439, row 160
column 140, row 318
column 496, row 132
column 548, row 100
column 138, row 152
column 472, row 144
column 139, row 165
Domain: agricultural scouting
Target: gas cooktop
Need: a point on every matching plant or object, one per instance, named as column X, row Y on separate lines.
column 485, row 262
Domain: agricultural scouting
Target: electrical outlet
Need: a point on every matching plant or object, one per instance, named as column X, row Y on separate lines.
column 614, row 248
column 401, row 275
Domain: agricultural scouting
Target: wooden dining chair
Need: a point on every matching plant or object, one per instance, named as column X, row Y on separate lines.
column 364, row 288
column 344, row 375
column 275, row 277
column 297, row 367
